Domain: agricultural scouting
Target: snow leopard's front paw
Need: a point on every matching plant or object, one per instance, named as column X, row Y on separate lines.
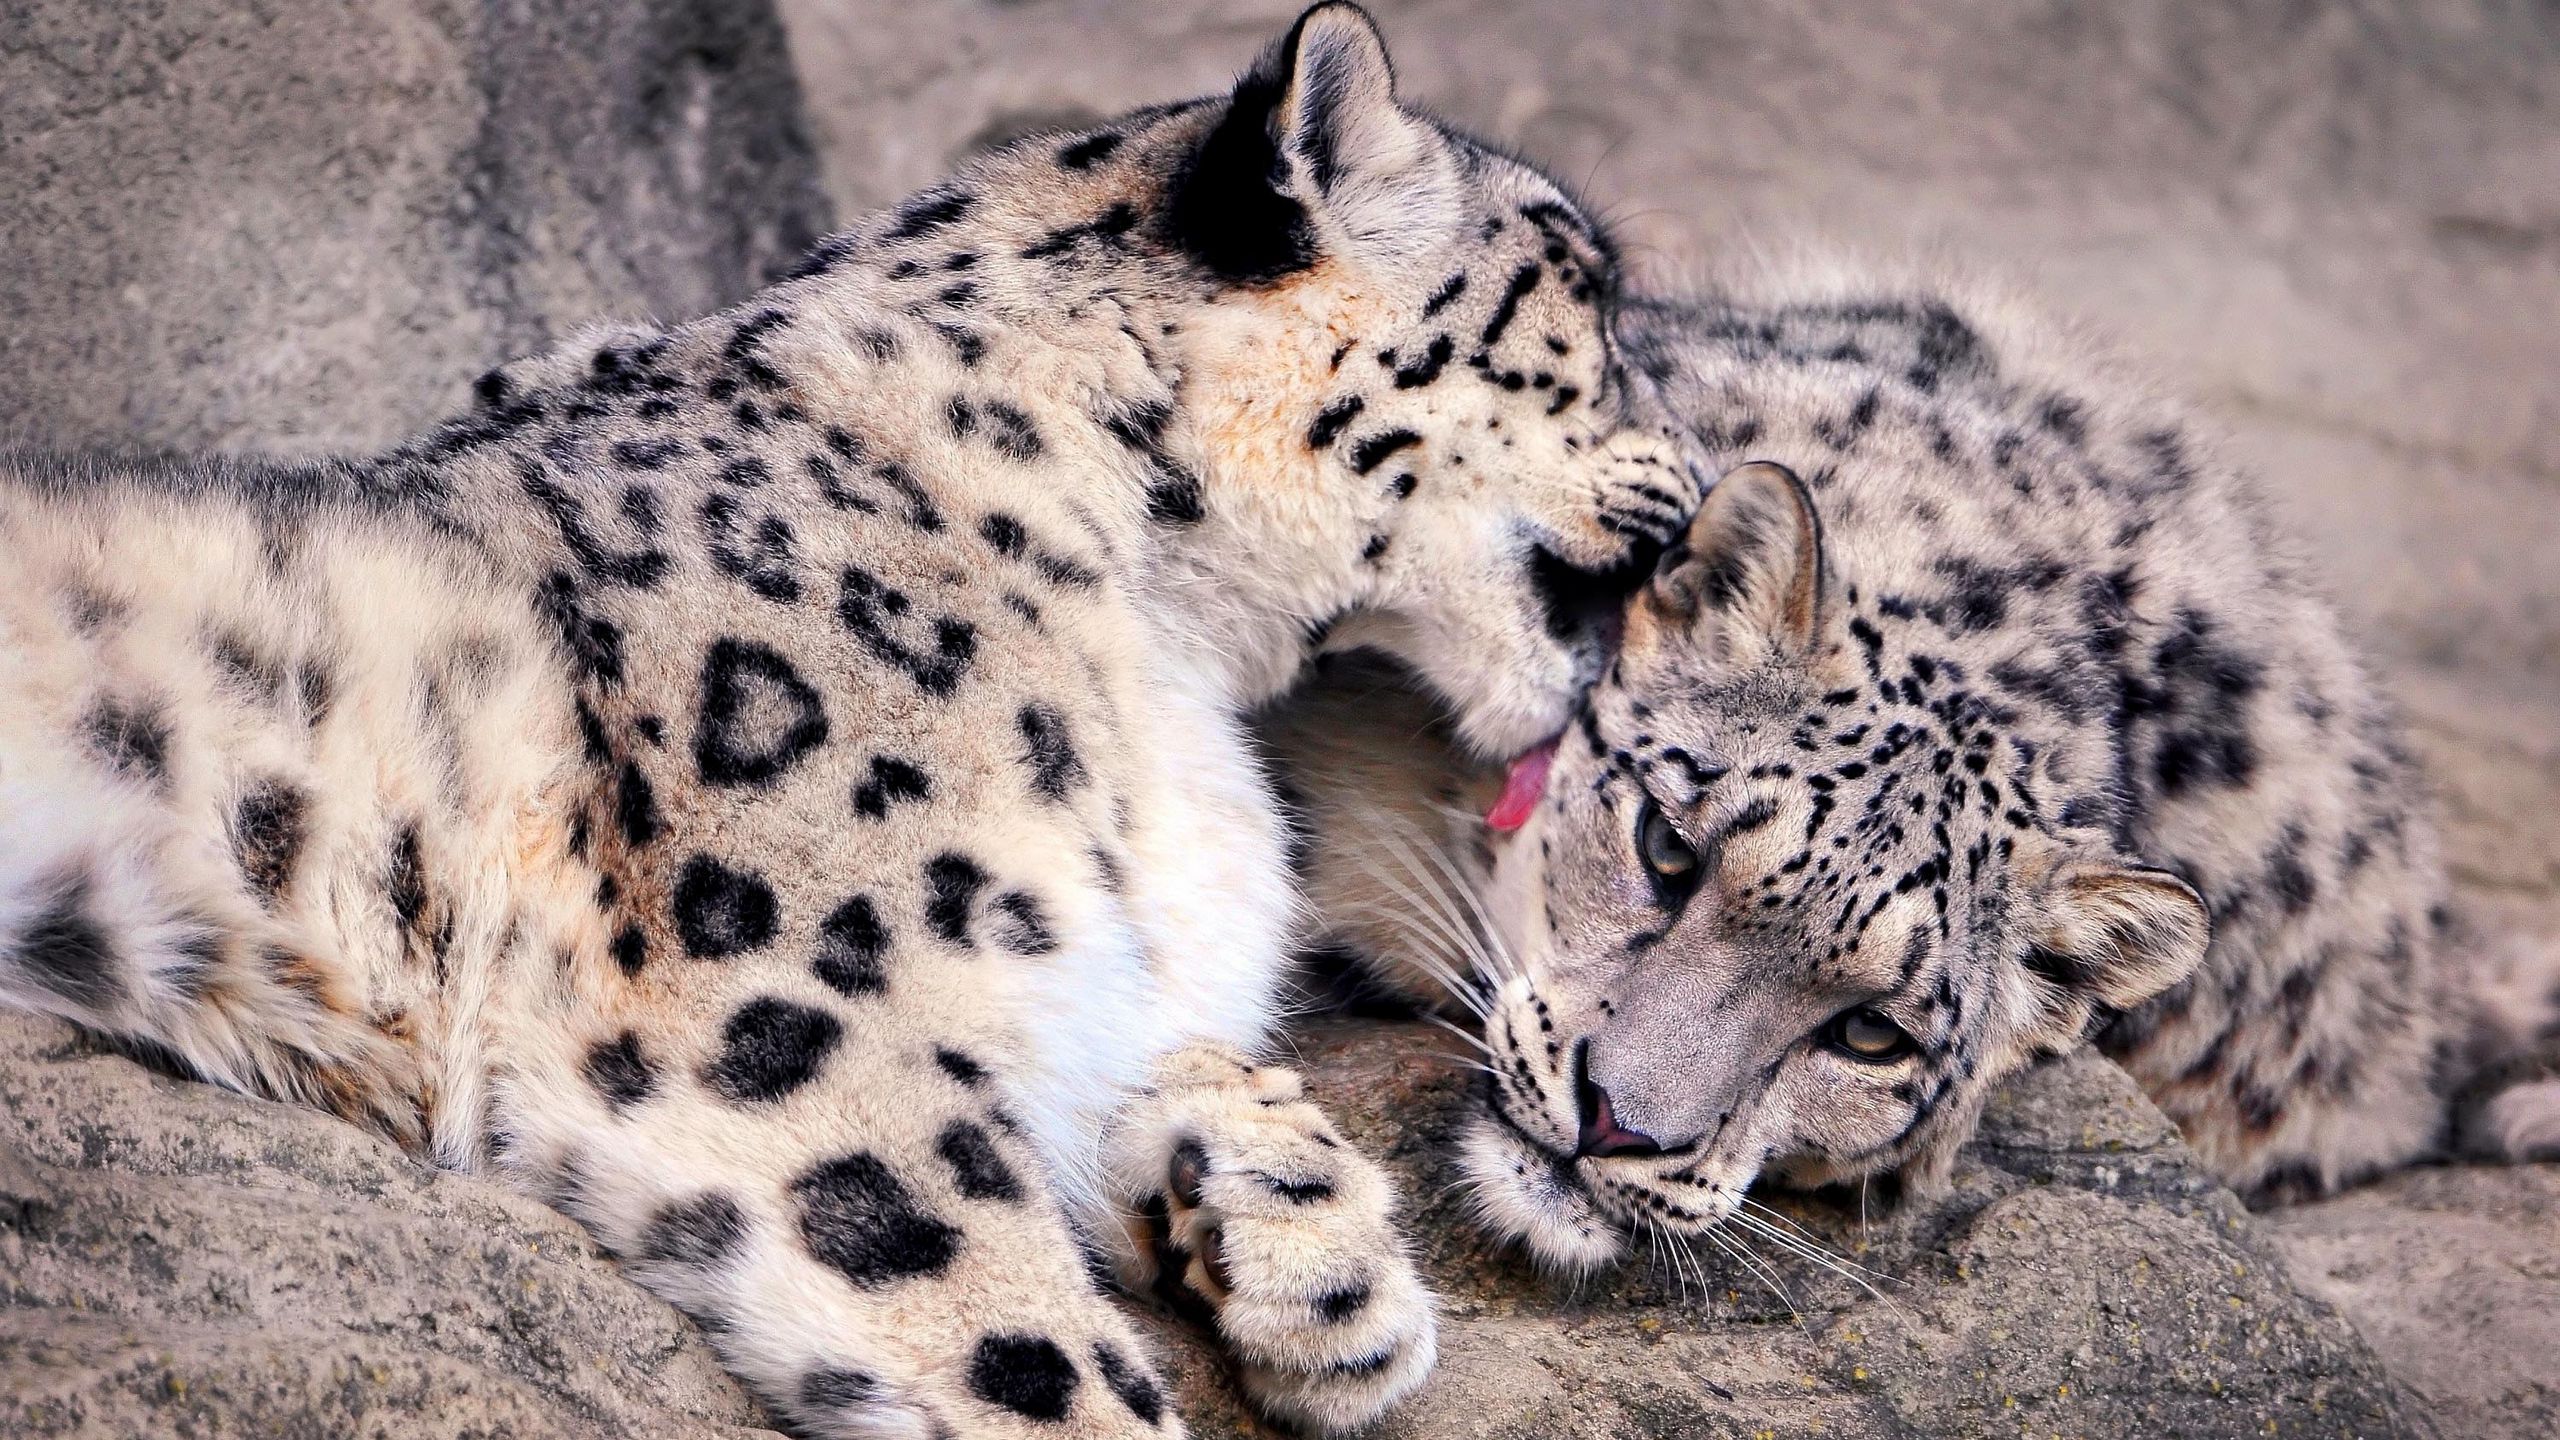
column 1285, row 1238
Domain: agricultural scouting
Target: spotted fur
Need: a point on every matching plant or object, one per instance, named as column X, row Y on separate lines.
column 773, row 786
column 1979, row 694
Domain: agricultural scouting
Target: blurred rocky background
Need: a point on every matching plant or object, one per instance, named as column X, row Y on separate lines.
column 294, row 226
column 307, row 224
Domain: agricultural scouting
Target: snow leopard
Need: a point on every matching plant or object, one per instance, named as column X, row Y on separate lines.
column 774, row 788
column 1981, row 712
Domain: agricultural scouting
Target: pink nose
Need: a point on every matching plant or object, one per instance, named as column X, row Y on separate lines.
column 1602, row 1135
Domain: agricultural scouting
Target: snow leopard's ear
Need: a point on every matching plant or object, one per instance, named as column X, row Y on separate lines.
column 1745, row 584
column 2104, row 933
column 1384, row 179
column 1314, row 156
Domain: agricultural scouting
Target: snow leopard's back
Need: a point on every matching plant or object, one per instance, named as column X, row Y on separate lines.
column 284, row 772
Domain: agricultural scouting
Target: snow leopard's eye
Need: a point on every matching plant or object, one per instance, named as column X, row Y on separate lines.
column 1867, row 1034
column 1666, row 852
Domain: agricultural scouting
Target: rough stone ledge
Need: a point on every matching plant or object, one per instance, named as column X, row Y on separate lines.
column 2082, row 1276
column 177, row 1260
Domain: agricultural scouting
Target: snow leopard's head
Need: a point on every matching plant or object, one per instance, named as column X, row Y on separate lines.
column 1786, row 902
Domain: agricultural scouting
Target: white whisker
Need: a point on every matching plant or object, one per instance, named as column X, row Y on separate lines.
column 1664, row 1255
column 1460, row 1031
column 1439, row 896
column 1430, row 919
column 1439, row 966
column 1447, row 888
column 1734, row 1246
column 1468, row 1184
column 1461, row 1061
column 1684, row 1262
column 1507, row 964
column 1801, row 1250
column 1768, row 1216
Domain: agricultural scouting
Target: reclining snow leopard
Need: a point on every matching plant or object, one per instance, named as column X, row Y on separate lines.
column 1979, row 693
column 773, row 786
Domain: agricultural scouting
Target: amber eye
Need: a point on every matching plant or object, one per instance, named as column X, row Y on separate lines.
column 1666, row 852
column 1865, row 1034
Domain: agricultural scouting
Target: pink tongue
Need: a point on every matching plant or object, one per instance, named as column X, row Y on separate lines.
column 1521, row 789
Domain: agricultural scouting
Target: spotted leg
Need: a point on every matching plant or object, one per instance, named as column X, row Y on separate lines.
column 1249, row 1211
column 857, row 1227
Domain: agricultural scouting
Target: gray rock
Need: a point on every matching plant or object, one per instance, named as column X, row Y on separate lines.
column 309, row 226
column 2452, row 1274
column 177, row 1257
column 2081, row 1276
column 179, row 1261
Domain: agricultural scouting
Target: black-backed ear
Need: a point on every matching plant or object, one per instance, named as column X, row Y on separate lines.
column 1338, row 95
column 1314, row 152
column 1382, row 178
column 1745, row 583
column 2113, row 935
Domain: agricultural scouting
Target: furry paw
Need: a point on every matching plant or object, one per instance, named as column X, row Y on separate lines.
column 1282, row 1238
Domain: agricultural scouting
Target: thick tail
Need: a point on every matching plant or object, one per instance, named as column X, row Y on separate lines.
column 2521, row 1122
column 114, row 918
column 2506, row 1095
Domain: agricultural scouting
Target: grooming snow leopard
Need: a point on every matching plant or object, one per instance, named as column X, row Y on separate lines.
column 773, row 786
column 1977, row 695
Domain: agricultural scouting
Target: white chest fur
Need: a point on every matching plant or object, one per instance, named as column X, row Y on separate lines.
column 1195, row 950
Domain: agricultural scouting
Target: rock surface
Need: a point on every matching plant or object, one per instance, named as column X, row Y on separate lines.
column 182, row 1261
column 2082, row 1276
column 308, row 226
column 178, row 1261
